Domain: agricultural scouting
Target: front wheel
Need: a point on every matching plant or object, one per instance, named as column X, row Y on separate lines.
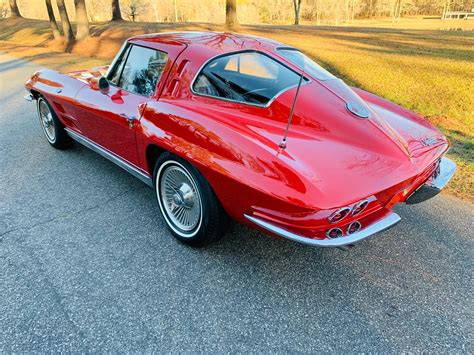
column 52, row 127
column 187, row 202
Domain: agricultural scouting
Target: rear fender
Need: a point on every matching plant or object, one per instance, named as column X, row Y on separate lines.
column 239, row 167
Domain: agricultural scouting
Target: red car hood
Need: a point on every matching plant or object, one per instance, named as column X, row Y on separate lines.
column 343, row 157
column 85, row 75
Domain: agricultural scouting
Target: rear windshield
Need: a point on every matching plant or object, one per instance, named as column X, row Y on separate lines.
column 303, row 62
column 248, row 77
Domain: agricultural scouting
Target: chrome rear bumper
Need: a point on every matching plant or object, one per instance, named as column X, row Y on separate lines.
column 382, row 224
column 435, row 183
column 29, row 97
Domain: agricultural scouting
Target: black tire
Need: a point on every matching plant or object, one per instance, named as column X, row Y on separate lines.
column 213, row 221
column 53, row 129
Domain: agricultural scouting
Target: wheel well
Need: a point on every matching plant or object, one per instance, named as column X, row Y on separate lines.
column 153, row 152
column 35, row 94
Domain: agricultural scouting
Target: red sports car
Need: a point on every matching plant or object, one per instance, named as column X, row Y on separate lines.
column 234, row 126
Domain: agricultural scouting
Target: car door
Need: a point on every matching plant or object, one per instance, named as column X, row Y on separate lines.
column 110, row 119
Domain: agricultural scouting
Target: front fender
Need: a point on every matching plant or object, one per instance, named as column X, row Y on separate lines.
column 52, row 83
column 60, row 91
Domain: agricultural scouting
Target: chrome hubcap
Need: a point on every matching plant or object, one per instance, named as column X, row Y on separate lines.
column 46, row 119
column 180, row 198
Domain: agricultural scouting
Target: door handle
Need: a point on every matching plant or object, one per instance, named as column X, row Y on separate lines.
column 130, row 119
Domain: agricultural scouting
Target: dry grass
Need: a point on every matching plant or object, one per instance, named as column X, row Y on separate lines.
column 412, row 63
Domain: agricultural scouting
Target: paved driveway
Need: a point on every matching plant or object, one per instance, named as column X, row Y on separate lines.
column 86, row 264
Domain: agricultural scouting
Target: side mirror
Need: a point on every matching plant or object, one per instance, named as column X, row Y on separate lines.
column 99, row 83
column 103, row 85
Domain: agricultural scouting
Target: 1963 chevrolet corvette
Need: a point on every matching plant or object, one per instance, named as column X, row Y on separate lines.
column 230, row 126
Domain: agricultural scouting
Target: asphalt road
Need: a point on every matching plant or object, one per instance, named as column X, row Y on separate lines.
column 86, row 264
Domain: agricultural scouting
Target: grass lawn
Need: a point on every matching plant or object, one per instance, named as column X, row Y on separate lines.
column 412, row 63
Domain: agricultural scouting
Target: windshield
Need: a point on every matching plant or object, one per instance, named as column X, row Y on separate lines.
column 303, row 62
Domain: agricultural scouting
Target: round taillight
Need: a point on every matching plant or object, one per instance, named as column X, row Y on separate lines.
column 354, row 227
column 334, row 233
column 359, row 207
column 339, row 215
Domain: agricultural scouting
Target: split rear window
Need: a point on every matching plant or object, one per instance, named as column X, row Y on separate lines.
column 247, row 77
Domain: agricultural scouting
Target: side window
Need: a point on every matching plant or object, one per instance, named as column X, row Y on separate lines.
column 248, row 77
column 140, row 70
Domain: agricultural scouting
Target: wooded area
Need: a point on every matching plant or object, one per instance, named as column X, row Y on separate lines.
column 333, row 12
column 231, row 12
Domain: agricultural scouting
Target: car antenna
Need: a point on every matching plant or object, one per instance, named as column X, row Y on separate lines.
column 282, row 144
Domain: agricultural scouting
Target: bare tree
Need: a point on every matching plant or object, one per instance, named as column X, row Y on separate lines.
column 175, row 11
column 66, row 24
column 297, row 7
column 397, row 10
column 134, row 8
column 446, row 8
column 4, row 9
column 116, row 14
column 14, row 11
column 52, row 21
column 353, row 4
column 81, row 19
column 249, row 11
column 231, row 13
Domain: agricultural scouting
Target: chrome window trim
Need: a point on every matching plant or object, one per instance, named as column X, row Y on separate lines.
column 110, row 156
column 307, row 79
column 382, row 224
column 114, row 62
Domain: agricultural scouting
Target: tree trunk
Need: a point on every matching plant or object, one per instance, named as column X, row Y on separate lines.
column 318, row 12
column 394, row 11
column 81, row 19
column 446, row 8
column 400, row 6
column 175, row 12
column 52, row 21
column 116, row 14
column 67, row 29
column 297, row 7
column 14, row 12
column 231, row 13
column 353, row 10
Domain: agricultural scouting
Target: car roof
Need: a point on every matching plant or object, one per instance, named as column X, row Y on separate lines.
column 213, row 43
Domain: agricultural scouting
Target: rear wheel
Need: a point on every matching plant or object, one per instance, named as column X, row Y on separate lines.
column 52, row 127
column 187, row 202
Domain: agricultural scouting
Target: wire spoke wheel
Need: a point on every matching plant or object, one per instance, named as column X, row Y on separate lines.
column 180, row 199
column 187, row 202
column 46, row 119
